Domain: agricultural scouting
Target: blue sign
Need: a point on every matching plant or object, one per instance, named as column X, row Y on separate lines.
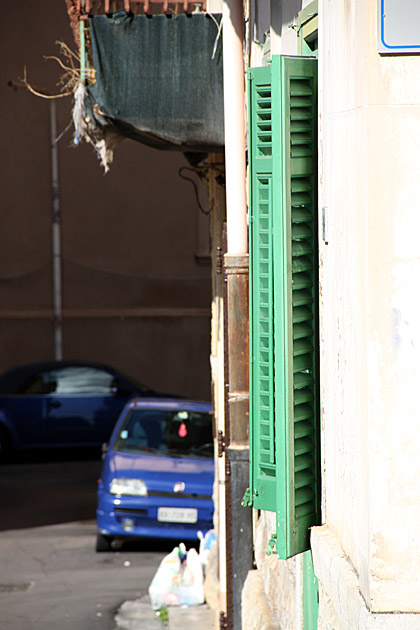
column 398, row 26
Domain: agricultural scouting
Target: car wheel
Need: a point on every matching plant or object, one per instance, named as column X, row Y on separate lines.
column 103, row 543
column 4, row 445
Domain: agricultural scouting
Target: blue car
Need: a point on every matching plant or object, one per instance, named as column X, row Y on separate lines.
column 158, row 473
column 62, row 404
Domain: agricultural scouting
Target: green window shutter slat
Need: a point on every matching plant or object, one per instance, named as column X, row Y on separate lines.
column 296, row 303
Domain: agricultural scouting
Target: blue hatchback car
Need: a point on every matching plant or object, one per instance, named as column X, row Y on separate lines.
column 158, row 473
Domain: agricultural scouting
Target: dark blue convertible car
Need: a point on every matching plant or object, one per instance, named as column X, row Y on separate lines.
column 62, row 404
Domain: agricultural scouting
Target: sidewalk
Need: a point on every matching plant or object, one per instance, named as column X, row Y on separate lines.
column 193, row 617
column 139, row 615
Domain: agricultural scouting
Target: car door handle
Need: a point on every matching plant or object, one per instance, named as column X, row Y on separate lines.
column 54, row 403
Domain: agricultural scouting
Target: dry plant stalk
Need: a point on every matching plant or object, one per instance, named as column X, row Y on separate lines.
column 103, row 140
column 68, row 80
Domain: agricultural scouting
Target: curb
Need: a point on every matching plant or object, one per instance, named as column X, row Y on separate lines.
column 138, row 614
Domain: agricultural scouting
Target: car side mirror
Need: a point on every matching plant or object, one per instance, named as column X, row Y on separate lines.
column 104, row 450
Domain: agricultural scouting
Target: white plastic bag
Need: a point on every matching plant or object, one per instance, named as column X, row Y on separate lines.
column 177, row 582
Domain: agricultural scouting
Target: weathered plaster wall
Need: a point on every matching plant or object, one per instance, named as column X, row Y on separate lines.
column 328, row 619
column 256, row 611
column 341, row 604
column 342, row 144
column 281, row 579
column 370, row 313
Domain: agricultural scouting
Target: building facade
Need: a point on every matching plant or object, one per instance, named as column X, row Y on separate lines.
column 362, row 368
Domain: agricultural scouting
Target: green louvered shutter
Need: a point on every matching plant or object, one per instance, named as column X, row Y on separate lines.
column 262, row 438
column 284, row 291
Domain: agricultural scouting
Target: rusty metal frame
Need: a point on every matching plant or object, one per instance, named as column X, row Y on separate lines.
column 84, row 8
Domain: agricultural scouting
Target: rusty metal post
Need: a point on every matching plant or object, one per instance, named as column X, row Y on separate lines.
column 236, row 270
column 240, row 559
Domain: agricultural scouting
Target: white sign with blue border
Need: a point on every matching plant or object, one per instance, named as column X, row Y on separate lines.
column 398, row 26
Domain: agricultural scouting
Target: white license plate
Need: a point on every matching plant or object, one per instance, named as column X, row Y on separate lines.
column 177, row 515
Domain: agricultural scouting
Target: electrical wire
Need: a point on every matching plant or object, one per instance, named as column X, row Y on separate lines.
column 94, row 269
column 25, row 274
column 188, row 179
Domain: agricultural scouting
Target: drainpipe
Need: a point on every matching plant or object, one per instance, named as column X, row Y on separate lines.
column 56, row 236
column 234, row 109
column 239, row 547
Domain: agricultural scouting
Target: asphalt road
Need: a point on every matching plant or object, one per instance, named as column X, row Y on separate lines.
column 51, row 578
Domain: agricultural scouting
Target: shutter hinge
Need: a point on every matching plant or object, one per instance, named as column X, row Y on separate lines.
column 219, row 260
column 249, row 498
column 271, row 544
column 221, row 448
column 220, row 443
column 223, row 620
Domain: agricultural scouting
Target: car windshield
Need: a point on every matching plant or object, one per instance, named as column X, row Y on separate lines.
column 178, row 433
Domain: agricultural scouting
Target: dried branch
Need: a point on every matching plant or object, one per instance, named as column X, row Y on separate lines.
column 69, row 80
column 39, row 91
column 71, row 77
column 67, row 51
column 58, row 60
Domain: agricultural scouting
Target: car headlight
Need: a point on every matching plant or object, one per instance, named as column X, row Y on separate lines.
column 132, row 487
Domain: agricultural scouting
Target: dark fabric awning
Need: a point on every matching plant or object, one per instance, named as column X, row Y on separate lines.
column 158, row 79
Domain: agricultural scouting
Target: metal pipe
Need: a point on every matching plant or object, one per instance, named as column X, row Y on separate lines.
column 56, row 225
column 234, row 110
column 56, row 236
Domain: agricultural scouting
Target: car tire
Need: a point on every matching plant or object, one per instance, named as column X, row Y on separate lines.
column 103, row 543
column 4, row 445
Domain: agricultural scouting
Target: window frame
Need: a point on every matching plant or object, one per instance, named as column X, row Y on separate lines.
column 308, row 30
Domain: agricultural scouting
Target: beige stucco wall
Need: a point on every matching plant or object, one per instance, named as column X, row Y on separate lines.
column 367, row 555
column 370, row 331
column 281, row 579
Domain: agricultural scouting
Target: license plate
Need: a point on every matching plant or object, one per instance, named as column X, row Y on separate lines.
column 177, row 515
